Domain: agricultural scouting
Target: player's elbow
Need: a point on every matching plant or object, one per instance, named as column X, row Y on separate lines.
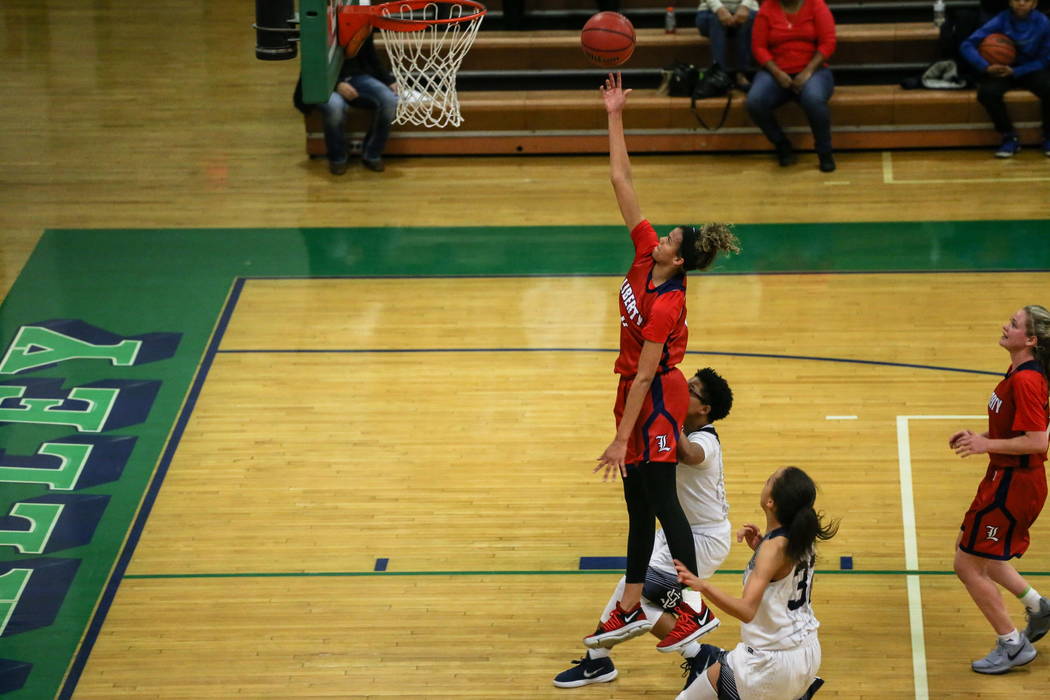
column 692, row 458
column 1042, row 441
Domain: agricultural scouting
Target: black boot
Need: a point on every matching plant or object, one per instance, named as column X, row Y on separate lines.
column 785, row 155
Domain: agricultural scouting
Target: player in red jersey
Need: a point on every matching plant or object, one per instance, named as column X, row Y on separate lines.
column 652, row 397
column 1009, row 499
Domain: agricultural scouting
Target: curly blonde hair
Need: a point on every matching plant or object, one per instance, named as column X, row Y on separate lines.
column 710, row 239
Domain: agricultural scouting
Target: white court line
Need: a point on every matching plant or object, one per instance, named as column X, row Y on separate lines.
column 840, row 418
column 911, row 551
column 888, row 179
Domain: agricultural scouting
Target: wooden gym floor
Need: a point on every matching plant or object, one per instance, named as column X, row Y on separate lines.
column 367, row 469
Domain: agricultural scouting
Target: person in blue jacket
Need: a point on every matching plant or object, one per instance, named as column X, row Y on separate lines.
column 1030, row 32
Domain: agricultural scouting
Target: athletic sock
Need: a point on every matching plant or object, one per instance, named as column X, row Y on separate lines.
column 690, row 650
column 1011, row 638
column 598, row 653
column 1031, row 599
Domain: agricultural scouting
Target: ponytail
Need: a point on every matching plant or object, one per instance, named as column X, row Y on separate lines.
column 701, row 244
column 1039, row 326
column 794, row 494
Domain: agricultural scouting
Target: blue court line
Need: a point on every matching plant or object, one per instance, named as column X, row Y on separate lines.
column 762, row 355
column 603, row 563
column 381, row 564
column 120, row 567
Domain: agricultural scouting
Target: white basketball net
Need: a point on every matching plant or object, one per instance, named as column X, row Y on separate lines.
column 425, row 62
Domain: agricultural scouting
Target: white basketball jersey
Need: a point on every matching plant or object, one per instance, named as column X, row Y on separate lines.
column 702, row 488
column 785, row 616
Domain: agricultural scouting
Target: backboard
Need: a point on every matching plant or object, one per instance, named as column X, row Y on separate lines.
column 320, row 53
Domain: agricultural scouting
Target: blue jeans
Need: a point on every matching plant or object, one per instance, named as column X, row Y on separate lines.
column 371, row 94
column 709, row 26
column 765, row 96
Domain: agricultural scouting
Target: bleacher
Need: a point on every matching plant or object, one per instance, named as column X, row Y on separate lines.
column 530, row 89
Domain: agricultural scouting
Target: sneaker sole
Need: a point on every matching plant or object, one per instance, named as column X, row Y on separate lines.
column 700, row 632
column 611, row 639
column 1005, row 155
column 587, row 681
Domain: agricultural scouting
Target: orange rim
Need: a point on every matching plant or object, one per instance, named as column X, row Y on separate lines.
column 411, row 25
column 353, row 18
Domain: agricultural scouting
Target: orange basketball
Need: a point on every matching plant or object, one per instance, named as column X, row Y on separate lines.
column 608, row 39
column 998, row 49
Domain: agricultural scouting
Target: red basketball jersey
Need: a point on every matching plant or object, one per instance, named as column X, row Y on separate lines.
column 1018, row 405
column 647, row 312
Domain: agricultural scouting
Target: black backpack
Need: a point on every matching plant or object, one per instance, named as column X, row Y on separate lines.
column 713, row 82
column 679, row 79
column 685, row 80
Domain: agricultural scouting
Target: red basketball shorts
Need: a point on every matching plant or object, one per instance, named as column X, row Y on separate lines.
column 655, row 435
column 1007, row 503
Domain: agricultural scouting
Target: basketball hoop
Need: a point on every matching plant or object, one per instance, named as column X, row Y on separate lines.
column 426, row 41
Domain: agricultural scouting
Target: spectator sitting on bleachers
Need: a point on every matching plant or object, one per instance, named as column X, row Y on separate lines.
column 363, row 82
column 791, row 41
column 1030, row 32
column 720, row 20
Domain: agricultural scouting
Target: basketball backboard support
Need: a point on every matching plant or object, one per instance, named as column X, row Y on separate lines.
column 321, row 55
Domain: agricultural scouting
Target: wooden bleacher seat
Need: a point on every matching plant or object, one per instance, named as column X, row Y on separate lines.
column 559, row 49
column 573, row 121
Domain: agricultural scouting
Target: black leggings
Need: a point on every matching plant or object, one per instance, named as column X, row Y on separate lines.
column 991, row 89
column 651, row 491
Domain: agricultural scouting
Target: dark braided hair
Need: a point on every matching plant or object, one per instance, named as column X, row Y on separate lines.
column 793, row 494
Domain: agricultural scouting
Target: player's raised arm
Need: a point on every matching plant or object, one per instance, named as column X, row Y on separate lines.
column 615, row 98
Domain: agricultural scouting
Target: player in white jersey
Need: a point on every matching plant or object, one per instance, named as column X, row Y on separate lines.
column 779, row 653
column 701, row 492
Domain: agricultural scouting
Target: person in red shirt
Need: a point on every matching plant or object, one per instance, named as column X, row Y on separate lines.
column 1012, row 493
column 791, row 41
column 652, row 397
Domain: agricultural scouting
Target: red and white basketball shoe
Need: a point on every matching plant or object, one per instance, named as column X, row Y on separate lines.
column 691, row 624
column 621, row 626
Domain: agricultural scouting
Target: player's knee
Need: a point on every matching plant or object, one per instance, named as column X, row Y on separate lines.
column 664, row 590
column 965, row 567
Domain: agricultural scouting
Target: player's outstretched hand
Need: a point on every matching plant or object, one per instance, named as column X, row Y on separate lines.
column 612, row 460
column 685, row 576
column 750, row 534
column 613, row 93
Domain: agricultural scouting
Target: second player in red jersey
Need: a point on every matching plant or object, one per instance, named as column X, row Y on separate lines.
column 1012, row 493
column 652, row 396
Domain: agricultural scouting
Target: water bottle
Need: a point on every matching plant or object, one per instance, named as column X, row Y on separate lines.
column 669, row 21
column 938, row 13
